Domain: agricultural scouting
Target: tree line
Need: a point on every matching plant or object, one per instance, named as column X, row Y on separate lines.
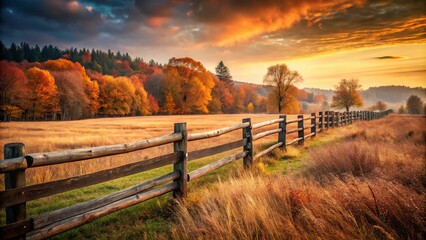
column 54, row 84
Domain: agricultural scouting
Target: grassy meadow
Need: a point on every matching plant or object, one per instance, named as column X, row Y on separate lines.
column 362, row 181
column 64, row 135
column 367, row 181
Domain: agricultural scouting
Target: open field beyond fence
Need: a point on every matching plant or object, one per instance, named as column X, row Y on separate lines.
column 290, row 130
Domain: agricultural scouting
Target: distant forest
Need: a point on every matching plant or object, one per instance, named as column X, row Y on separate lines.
column 48, row 83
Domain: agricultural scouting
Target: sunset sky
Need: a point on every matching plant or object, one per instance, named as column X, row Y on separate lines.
column 381, row 42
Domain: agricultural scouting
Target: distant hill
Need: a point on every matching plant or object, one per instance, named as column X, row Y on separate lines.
column 394, row 96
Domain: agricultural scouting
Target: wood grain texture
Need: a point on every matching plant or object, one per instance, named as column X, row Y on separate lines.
column 64, row 213
column 70, row 223
column 32, row 192
column 215, row 165
column 49, row 158
column 216, row 149
column 216, row 133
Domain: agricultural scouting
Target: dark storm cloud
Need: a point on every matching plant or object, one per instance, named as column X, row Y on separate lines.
column 53, row 20
column 249, row 27
column 57, row 11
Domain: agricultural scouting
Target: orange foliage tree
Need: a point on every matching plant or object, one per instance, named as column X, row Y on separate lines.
column 169, row 104
column 71, row 75
column 190, row 85
column 222, row 98
column 347, row 94
column 43, row 95
column 13, row 90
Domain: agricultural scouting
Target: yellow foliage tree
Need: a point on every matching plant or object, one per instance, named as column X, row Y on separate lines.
column 250, row 108
column 116, row 96
column 282, row 80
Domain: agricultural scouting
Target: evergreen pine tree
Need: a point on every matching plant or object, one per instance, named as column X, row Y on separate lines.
column 223, row 74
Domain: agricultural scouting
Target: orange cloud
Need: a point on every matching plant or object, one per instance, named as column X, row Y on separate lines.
column 156, row 22
column 230, row 25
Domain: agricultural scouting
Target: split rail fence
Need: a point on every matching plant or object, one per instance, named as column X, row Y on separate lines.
column 16, row 193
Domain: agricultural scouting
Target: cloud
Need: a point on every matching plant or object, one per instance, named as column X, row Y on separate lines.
column 233, row 21
column 240, row 31
column 389, row 57
column 45, row 21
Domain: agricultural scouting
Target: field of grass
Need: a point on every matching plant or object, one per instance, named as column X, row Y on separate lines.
column 65, row 135
column 367, row 181
column 310, row 182
column 55, row 136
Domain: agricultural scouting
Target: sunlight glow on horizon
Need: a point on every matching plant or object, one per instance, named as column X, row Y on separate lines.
column 323, row 71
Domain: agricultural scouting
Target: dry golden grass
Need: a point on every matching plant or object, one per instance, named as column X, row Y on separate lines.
column 369, row 186
column 55, row 136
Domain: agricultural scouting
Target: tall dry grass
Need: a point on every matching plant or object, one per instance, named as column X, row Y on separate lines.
column 371, row 185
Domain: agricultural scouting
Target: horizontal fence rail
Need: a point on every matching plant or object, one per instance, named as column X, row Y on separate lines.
column 17, row 194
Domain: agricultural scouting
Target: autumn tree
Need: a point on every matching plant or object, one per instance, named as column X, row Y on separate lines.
column 401, row 110
column 292, row 106
column 347, row 94
column 250, row 108
column 43, row 95
column 223, row 74
column 73, row 100
column 116, row 96
column 141, row 105
column 379, row 106
column 169, row 104
column 282, row 81
column 153, row 104
column 79, row 95
column 414, row 105
column 189, row 83
column 14, row 91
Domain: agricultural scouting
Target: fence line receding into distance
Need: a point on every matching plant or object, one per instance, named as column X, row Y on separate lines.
column 16, row 193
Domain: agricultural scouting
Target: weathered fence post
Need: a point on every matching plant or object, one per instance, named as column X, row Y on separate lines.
column 338, row 119
column 345, row 118
column 321, row 117
column 330, row 119
column 282, row 135
column 182, row 164
column 301, row 131
column 248, row 159
column 326, row 119
column 314, row 124
column 15, row 179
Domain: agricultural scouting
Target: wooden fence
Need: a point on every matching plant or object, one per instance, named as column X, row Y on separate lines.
column 16, row 193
